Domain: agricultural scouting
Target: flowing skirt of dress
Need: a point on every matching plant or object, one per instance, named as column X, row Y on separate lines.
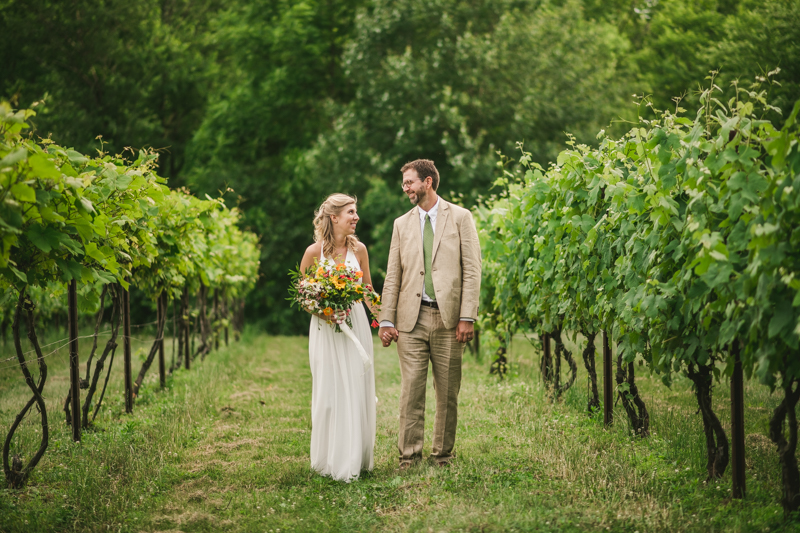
column 342, row 399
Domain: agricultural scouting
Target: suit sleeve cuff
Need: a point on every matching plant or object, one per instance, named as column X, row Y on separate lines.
column 467, row 319
column 386, row 324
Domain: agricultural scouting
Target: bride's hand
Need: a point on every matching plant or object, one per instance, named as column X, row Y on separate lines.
column 339, row 316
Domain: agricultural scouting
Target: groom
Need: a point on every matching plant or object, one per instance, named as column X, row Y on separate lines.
column 429, row 306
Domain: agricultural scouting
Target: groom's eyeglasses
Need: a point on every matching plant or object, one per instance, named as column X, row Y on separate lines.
column 408, row 184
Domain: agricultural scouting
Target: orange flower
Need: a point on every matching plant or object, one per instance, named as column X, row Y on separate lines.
column 359, row 274
column 320, row 271
column 327, row 311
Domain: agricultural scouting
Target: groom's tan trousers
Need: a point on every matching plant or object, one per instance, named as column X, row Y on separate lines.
column 430, row 341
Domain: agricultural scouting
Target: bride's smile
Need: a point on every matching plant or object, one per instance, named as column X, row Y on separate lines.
column 347, row 220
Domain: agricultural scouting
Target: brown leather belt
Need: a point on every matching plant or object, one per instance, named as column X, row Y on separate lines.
column 430, row 304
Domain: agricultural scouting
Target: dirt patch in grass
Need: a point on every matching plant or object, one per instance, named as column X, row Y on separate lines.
column 192, row 518
column 216, row 447
column 200, row 466
column 243, row 395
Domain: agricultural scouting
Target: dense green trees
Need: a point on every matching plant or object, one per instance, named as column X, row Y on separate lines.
column 279, row 70
column 285, row 102
column 131, row 71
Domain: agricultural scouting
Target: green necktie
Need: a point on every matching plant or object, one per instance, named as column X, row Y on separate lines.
column 427, row 250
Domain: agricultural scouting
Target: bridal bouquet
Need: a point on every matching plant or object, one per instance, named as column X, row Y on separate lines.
column 324, row 291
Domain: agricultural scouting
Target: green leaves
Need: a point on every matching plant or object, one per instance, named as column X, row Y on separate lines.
column 11, row 159
column 109, row 219
column 782, row 318
column 44, row 238
column 43, row 167
column 678, row 237
column 23, row 192
column 70, row 269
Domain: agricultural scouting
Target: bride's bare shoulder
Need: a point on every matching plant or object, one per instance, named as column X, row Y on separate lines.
column 311, row 254
column 361, row 251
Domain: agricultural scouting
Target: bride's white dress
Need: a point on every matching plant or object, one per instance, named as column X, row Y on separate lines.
column 343, row 396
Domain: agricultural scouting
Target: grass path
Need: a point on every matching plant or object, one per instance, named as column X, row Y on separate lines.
column 225, row 448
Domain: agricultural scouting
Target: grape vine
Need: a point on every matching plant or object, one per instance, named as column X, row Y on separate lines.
column 680, row 239
column 103, row 224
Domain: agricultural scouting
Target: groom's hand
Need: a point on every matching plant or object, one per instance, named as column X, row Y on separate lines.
column 387, row 335
column 465, row 330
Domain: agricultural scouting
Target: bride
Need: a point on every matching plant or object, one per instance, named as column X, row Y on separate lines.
column 343, row 391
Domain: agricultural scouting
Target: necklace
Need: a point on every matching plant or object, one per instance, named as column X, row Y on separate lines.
column 337, row 255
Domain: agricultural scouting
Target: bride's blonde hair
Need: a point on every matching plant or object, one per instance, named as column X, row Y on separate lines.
column 323, row 225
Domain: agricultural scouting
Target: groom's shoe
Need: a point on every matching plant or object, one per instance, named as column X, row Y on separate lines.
column 404, row 466
column 434, row 460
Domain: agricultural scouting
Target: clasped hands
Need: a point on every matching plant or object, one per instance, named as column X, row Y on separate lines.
column 465, row 331
column 387, row 335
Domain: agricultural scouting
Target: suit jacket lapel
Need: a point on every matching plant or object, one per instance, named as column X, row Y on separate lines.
column 441, row 221
column 413, row 227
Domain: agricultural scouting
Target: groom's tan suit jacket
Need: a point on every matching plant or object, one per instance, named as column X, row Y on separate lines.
column 456, row 268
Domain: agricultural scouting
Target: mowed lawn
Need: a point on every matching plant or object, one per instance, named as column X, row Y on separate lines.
column 226, row 448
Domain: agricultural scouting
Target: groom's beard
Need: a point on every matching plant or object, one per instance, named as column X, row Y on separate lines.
column 417, row 198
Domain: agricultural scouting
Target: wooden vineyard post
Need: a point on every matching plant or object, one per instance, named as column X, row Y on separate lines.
column 74, row 371
column 608, row 387
column 126, row 343
column 546, row 360
column 174, row 335
column 216, row 318
column 225, row 313
column 737, row 425
column 162, row 319
column 185, row 308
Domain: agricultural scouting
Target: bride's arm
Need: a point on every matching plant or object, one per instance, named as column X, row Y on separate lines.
column 311, row 255
column 366, row 279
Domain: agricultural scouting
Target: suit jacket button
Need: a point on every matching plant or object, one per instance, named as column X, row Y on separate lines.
column 418, row 295
column 422, row 273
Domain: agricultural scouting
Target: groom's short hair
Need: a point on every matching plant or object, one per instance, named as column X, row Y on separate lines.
column 424, row 168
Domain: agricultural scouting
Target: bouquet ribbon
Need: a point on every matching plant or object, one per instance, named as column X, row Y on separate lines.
column 361, row 351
